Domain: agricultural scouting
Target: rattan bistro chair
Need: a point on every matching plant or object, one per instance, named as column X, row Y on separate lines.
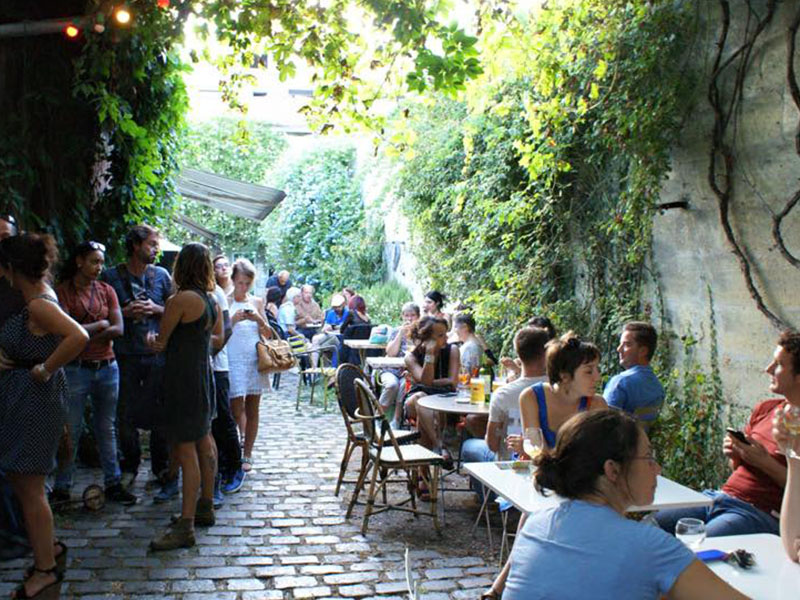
column 386, row 457
column 346, row 376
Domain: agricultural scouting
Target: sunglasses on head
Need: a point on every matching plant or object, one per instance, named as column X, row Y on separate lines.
column 9, row 219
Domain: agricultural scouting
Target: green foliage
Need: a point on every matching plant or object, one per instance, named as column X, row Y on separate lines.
column 321, row 231
column 133, row 78
column 244, row 151
column 536, row 198
column 384, row 301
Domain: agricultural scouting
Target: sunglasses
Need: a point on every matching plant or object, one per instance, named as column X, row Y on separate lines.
column 9, row 219
column 95, row 246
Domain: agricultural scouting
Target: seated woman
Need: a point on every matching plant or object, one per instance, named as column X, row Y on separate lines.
column 572, row 368
column 433, row 368
column 391, row 379
column 602, row 464
column 356, row 316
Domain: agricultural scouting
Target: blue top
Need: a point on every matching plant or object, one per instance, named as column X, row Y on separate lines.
column 636, row 391
column 156, row 285
column 331, row 318
column 549, row 434
column 581, row 550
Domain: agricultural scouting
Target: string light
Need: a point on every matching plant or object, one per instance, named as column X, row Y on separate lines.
column 163, row 4
column 71, row 31
column 122, row 15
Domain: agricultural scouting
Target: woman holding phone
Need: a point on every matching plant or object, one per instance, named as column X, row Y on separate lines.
column 249, row 321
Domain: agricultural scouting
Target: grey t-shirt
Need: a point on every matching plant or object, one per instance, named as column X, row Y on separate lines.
column 471, row 354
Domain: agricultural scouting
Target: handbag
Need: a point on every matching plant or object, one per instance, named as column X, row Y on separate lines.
column 274, row 354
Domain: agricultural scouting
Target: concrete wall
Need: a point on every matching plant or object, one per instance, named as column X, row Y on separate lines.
column 690, row 250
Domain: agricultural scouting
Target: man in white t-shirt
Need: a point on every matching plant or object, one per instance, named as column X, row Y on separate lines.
column 223, row 427
column 504, row 430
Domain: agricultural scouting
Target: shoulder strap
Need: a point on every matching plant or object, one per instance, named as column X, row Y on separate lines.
column 584, row 404
column 125, row 277
column 549, row 434
column 45, row 297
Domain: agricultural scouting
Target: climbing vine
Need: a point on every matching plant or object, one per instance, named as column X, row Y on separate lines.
column 536, row 196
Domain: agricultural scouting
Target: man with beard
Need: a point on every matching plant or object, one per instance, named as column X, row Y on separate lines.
column 142, row 289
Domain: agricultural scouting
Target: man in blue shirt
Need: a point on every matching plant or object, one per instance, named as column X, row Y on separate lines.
column 142, row 289
column 334, row 317
column 636, row 390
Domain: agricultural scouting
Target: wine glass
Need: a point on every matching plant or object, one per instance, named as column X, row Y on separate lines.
column 532, row 441
column 691, row 532
column 790, row 418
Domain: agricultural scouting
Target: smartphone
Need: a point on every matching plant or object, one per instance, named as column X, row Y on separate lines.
column 711, row 555
column 248, row 310
column 735, row 433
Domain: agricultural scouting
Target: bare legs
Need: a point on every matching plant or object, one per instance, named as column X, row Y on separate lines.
column 245, row 413
column 29, row 489
column 427, row 422
column 198, row 460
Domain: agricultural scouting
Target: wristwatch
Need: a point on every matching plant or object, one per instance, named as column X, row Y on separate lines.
column 429, row 358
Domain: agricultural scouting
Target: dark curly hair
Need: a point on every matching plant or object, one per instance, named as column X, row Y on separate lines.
column 566, row 354
column 31, row 255
column 421, row 332
column 790, row 341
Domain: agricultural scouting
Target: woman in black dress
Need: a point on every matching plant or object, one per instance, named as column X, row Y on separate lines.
column 192, row 322
column 39, row 340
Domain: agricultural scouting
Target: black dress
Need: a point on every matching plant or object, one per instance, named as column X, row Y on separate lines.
column 188, row 387
column 32, row 414
column 441, row 371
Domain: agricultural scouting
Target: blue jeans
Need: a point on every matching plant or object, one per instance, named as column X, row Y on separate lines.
column 476, row 450
column 726, row 516
column 102, row 387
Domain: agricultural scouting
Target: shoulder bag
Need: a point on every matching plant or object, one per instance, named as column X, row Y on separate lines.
column 274, row 354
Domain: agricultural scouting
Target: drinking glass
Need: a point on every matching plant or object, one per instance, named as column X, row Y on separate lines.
column 691, row 532
column 532, row 441
column 790, row 418
column 463, row 382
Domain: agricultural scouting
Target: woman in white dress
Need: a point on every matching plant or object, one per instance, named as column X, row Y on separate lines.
column 249, row 322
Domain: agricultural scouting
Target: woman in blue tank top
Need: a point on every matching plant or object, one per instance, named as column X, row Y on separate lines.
column 572, row 368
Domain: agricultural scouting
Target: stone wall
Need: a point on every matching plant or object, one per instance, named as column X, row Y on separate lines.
column 691, row 253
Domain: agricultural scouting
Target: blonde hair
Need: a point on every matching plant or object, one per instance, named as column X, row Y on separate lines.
column 245, row 267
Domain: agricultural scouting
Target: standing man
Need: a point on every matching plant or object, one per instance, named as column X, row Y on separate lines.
column 142, row 289
column 636, row 390
column 223, row 427
column 308, row 317
column 280, row 281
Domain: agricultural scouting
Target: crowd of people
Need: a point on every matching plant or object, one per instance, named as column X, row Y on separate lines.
column 173, row 354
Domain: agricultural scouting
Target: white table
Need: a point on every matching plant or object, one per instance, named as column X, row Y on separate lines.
column 517, row 487
column 459, row 405
column 774, row 576
column 362, row 346
column 386, row 362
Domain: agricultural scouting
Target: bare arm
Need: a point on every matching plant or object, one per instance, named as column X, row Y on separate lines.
column 452, row 371
column 790, row 511
column 48, row 316
column 115, row 325
column 393, row 347
column 218, row 338
column 698, row 582
column 492, row 438
column 421, row 373
column 528, row 411
column 173, row 313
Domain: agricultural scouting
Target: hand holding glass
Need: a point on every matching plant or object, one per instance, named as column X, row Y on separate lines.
column 691, row 532
column 790, row 419
column 532, row 441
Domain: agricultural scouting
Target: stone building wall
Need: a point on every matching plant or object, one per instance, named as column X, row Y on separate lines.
column 691, row 253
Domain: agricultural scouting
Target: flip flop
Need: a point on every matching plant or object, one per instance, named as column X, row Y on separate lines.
column 247, row 464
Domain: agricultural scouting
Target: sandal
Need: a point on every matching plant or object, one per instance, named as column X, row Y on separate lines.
column 60, row 556
column 247, row 464
column 21, row 593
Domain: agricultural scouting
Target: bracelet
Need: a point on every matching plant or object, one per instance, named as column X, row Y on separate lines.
column 41, row 369
column 429, row 359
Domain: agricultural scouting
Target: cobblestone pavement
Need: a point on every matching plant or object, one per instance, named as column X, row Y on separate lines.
column 283, row 536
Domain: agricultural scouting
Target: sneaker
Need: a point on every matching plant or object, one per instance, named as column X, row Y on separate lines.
column 235, row 484
column 219, row 499
column 117, row 493
column 168, row 491
column 179, row 535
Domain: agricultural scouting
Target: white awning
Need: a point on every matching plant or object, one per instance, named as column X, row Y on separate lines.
column 229, row 195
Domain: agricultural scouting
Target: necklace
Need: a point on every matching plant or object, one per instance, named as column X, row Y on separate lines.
column 88, row 311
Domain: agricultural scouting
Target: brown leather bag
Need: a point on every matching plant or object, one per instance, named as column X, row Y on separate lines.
column 274, row 354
